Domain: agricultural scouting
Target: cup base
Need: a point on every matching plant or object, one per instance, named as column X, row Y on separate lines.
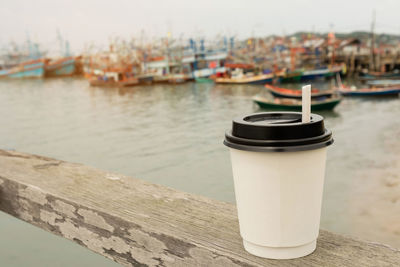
column 280, row 252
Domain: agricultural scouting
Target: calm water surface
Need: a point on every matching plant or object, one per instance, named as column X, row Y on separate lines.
column 172, row 135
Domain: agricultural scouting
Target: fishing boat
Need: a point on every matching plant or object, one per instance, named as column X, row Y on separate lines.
column 112, row 79
column 159, row 68
column 238, row 73
column 390, row 90
column 24, row 62
column 366, row 76
column 145, row 78
column 308, row 75
column 371, row 91
column 62, row 62
column 207, row 63
column 292, row 93
column 61, row 67
column 295, row 104
column 246, row 79
column 166, row 70
column 28, row 69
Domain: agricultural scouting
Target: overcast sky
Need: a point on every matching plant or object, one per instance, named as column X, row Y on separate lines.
column 95, row 20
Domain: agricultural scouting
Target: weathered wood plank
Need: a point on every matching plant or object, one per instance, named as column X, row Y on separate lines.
column 142, row 224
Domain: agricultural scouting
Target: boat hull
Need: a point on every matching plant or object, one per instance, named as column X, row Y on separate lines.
column 34, row 69
column 301, row 78
column 203, row 80
column 296, row 94
column 261, row 79
column 325, row 105
column 161, row 79
column 63, row 67
column 368, row 76
column 310, row 75
column 31, row 73
column 146, row 80
column 277, row 94
column 389, row 92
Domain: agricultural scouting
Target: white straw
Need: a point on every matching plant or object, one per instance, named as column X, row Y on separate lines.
column 306, row 103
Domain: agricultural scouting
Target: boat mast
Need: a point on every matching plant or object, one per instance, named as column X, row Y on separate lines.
column 60, row 43
column 372, row 57
column 167, row 53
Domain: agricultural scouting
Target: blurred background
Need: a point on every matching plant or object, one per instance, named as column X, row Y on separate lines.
column 102, row 82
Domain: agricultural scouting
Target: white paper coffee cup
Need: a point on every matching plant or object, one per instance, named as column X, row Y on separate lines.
column 278, row 166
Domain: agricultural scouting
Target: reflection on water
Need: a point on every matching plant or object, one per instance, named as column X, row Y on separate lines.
column 172, row 135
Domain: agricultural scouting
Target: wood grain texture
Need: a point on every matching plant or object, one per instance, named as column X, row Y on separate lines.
column 136, row 223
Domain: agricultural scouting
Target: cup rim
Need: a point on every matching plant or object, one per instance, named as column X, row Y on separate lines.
column 280, row 148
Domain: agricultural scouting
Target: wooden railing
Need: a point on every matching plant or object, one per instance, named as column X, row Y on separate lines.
column 136, row 223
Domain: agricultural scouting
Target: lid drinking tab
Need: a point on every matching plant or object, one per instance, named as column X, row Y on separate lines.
column 274, row 118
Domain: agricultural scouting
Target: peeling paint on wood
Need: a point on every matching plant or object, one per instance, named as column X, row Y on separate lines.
column 136, row 223
column 95, row 219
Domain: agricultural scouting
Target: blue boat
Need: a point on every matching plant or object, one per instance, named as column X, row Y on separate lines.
column 379, row 75
column 31, row 65
column 29, row 69
column 62, row 67
column 308, row 75
column 373, row 91
column 64, row 64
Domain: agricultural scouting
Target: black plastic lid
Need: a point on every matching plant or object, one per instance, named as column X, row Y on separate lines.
column 277, row 131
